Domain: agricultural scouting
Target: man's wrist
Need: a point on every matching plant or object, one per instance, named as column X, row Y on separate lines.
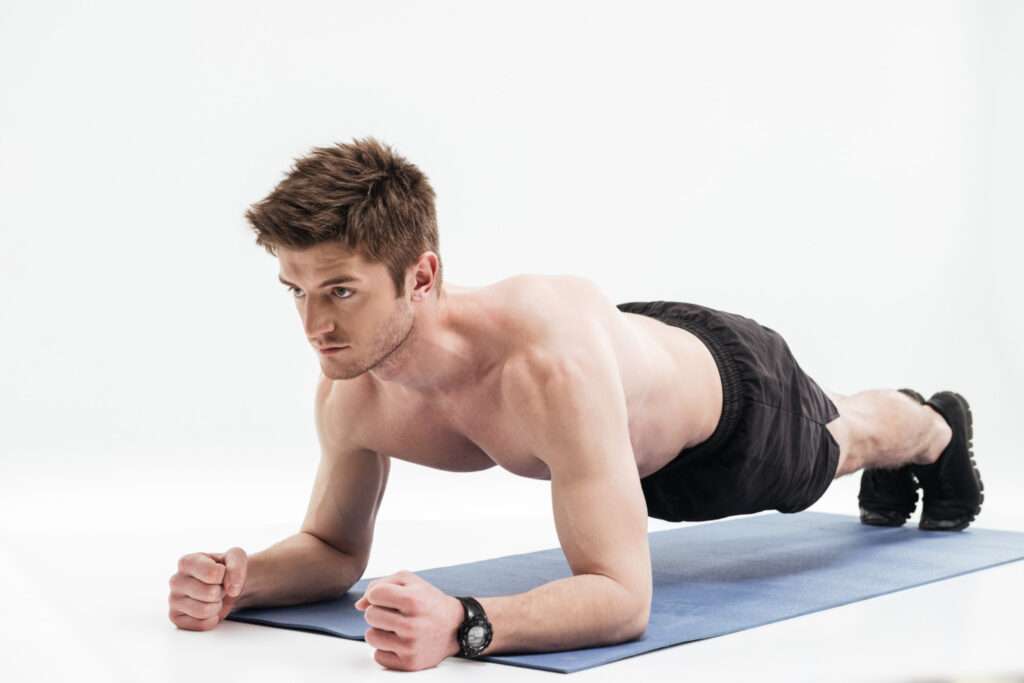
column 458, row 615
column 243, row 600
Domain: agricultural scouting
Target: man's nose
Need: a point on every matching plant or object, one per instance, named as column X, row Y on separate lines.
column 317, row 322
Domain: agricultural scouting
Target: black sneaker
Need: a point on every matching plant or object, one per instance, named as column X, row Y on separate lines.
column 952, row 484
column 888, row 497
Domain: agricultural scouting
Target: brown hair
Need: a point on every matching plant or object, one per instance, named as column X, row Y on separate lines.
column 362, row 194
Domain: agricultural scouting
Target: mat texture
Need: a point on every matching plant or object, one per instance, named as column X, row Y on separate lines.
column 710, row 579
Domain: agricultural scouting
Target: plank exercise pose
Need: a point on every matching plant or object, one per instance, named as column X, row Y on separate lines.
column 653, row 408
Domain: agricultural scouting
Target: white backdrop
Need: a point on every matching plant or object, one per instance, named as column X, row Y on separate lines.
column 845, row 173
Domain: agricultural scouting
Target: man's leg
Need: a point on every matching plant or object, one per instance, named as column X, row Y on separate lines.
column 885, row 429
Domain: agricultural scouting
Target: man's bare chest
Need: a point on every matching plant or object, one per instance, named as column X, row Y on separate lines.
column 669, row 380
column 469, row 437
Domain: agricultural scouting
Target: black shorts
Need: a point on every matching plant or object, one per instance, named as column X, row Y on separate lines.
column 770, row 449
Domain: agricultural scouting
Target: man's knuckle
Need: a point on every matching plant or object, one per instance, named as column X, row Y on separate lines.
column 414, row 628
column 199, row 621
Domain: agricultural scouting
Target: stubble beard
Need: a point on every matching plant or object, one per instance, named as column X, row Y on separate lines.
column 387, row 345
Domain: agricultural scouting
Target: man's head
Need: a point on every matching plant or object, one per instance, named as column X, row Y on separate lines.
column 353, row 210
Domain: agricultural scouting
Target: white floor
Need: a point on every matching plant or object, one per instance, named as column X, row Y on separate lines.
column 87, row 544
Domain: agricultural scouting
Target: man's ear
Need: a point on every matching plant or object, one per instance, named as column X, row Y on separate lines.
column 427, row 263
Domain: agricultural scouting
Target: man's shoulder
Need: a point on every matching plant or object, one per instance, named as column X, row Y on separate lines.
column 338, row 404
column 550, row 308
column 561, row 318
column 532, row 284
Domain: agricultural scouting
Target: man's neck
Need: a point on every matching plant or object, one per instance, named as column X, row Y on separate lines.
column 438, row 357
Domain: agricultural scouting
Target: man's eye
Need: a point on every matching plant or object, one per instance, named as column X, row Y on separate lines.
column 297, row 293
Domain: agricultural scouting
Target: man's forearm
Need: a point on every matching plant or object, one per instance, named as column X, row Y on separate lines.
column 575, row 612
column 299, row 569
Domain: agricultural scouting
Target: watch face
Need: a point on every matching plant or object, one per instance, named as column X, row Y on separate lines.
column 476, row 635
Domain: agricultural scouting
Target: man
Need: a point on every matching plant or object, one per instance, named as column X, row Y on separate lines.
column 664, row 409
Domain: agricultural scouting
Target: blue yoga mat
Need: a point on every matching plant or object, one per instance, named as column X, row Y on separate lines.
column 709, row 579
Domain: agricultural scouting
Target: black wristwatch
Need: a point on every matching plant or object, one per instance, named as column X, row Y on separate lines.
column 475, row 632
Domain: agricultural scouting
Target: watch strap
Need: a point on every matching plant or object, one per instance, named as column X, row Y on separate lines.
column 471, row 606
column 475, row 616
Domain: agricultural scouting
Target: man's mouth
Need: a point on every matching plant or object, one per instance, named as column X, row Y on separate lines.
column 328, row 350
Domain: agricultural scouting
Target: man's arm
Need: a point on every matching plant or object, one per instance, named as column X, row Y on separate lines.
column 570, row 400
column 299, row 569
column 331, row 551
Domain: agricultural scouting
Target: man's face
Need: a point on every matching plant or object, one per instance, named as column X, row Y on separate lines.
column 345, row 300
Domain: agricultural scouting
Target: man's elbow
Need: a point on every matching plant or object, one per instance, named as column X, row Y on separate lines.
column 637, row 626
column 634, row 613
column 641, row 625
column 639, row 613
column 641, row 609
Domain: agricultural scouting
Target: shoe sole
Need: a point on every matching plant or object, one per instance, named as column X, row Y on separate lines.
column 891, row 517
column 876, row 518
column 928, row 524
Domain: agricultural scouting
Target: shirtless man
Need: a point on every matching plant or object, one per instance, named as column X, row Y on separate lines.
column 664, row 409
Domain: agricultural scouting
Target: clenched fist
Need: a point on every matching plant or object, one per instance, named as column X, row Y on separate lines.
column 206, row 587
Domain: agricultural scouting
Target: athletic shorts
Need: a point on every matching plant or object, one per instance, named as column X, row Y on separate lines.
column 770, row 449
